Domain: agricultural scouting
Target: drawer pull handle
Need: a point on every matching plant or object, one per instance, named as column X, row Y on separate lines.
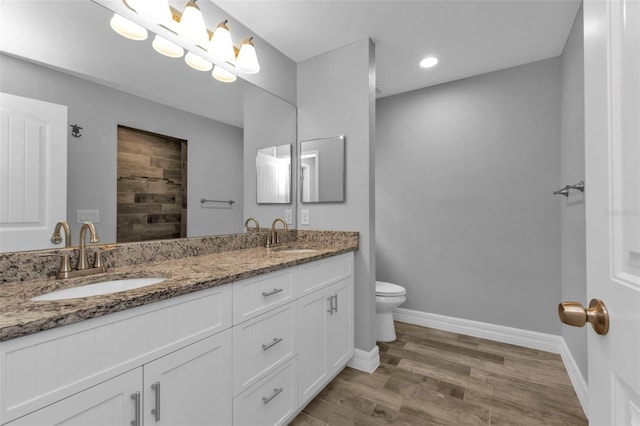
column 156, row 411
column 274, row 342
column 136, row 400
column 276, row 392
column 269, row 293
column 330, row 310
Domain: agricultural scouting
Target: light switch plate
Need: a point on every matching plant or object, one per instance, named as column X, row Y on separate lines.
column 288, row 216
column 305, row 217
column 88, row 216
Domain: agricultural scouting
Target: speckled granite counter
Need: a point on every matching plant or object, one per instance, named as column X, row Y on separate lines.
column 19, row 316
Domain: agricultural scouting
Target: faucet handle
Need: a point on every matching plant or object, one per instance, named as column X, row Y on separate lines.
column 98, row 250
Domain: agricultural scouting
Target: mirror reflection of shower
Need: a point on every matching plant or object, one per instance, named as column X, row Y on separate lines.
column 322, row 170
column 273, row 171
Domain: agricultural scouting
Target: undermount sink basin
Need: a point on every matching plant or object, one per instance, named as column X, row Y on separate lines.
column 97, row 289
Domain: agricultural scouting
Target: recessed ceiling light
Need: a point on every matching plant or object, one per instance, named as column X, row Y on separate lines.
column 429, row 62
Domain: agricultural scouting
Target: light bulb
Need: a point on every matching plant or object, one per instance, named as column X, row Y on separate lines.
column 221, row 45
column 247, row 61
column 127, row 28
column 156, row 10
column 223, row 75
column 429, row 62
column 197, row 63
column 192, row 26
column 166, row 47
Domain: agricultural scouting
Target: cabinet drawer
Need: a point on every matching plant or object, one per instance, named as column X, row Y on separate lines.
column 263, row 343
column 272, row 401
column 255, row 296
column 316, row 275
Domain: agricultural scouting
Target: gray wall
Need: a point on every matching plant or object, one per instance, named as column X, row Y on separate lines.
column 336, row 95
column 215, row 149
column 574, row 280
column 269, row 121
column 465, row 218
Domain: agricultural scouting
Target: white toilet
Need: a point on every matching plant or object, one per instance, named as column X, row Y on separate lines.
column 388, row 297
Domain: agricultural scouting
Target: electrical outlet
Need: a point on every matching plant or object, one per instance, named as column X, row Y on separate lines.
column 288, row 216
column 305, row 217
column 88, row 216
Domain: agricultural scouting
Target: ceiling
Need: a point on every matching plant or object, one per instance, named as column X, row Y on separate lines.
column 469, row 37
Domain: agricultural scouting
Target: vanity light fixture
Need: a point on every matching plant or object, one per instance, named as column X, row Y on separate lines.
column 247, row 61
column 127, row 28
column 428, row 62
column 157, row 11
column 221, row 45
column 223, row 75
column 197, row 62
column 166, row 47
column 190, row 26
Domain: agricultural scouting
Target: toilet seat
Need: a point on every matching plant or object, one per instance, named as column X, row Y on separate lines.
column 388, row 289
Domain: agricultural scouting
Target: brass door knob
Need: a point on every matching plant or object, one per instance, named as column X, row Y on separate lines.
column 572, row 313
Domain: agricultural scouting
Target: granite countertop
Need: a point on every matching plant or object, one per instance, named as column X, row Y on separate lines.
column 20, row 316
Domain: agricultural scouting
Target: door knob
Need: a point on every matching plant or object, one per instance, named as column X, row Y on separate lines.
column 572, row 313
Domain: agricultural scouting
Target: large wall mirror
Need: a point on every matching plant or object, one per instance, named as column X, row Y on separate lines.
column 322, row 170
column 66, row 53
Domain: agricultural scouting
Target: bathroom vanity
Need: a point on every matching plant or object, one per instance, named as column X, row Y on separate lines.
column 238, row 337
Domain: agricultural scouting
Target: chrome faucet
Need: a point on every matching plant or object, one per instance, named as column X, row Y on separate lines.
column 274, row 238
column 93, row 238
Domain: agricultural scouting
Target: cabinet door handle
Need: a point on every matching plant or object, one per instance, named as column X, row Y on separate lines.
column 276, row 392
column 156, row 411
column 274, row 342
column 136, row 400
column 336, row 297
column 330, row 299
column 269, row 293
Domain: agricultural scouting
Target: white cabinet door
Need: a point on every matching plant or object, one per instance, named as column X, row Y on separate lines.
column 325, row 333
column 110, row 403
column 340, row 326
column 191, row 386
column 312, row 335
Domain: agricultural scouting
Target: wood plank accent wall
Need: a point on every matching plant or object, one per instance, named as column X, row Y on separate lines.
column 152, row 186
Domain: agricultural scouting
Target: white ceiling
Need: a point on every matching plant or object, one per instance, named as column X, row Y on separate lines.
column 469, row 37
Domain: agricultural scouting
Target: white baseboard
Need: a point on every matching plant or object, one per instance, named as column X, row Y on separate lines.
column 365, row 361
column 578, row 382
column 514, row 336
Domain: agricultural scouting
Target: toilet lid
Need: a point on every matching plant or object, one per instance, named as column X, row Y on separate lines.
column 388, row 289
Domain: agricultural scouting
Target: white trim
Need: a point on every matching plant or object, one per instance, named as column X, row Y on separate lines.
column 577, row 380
column 500, row 333
column 365, row 361
column 514, row 336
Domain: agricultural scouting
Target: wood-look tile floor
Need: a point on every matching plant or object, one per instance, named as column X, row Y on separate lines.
column 433, row 377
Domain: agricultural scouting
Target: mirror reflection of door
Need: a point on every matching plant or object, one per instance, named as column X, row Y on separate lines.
column 152, row 186
column 273, row 172
column 309, row 176
column 322, row 181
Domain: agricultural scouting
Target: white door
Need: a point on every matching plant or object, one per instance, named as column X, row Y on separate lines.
column 114, row 402
column 612, row 197
column 33, row 171
column 340, row 343
column 191, row 386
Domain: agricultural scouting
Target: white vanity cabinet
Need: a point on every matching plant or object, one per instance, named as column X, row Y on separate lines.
column 251, row 352
column 186, row 387
column 325, row 324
